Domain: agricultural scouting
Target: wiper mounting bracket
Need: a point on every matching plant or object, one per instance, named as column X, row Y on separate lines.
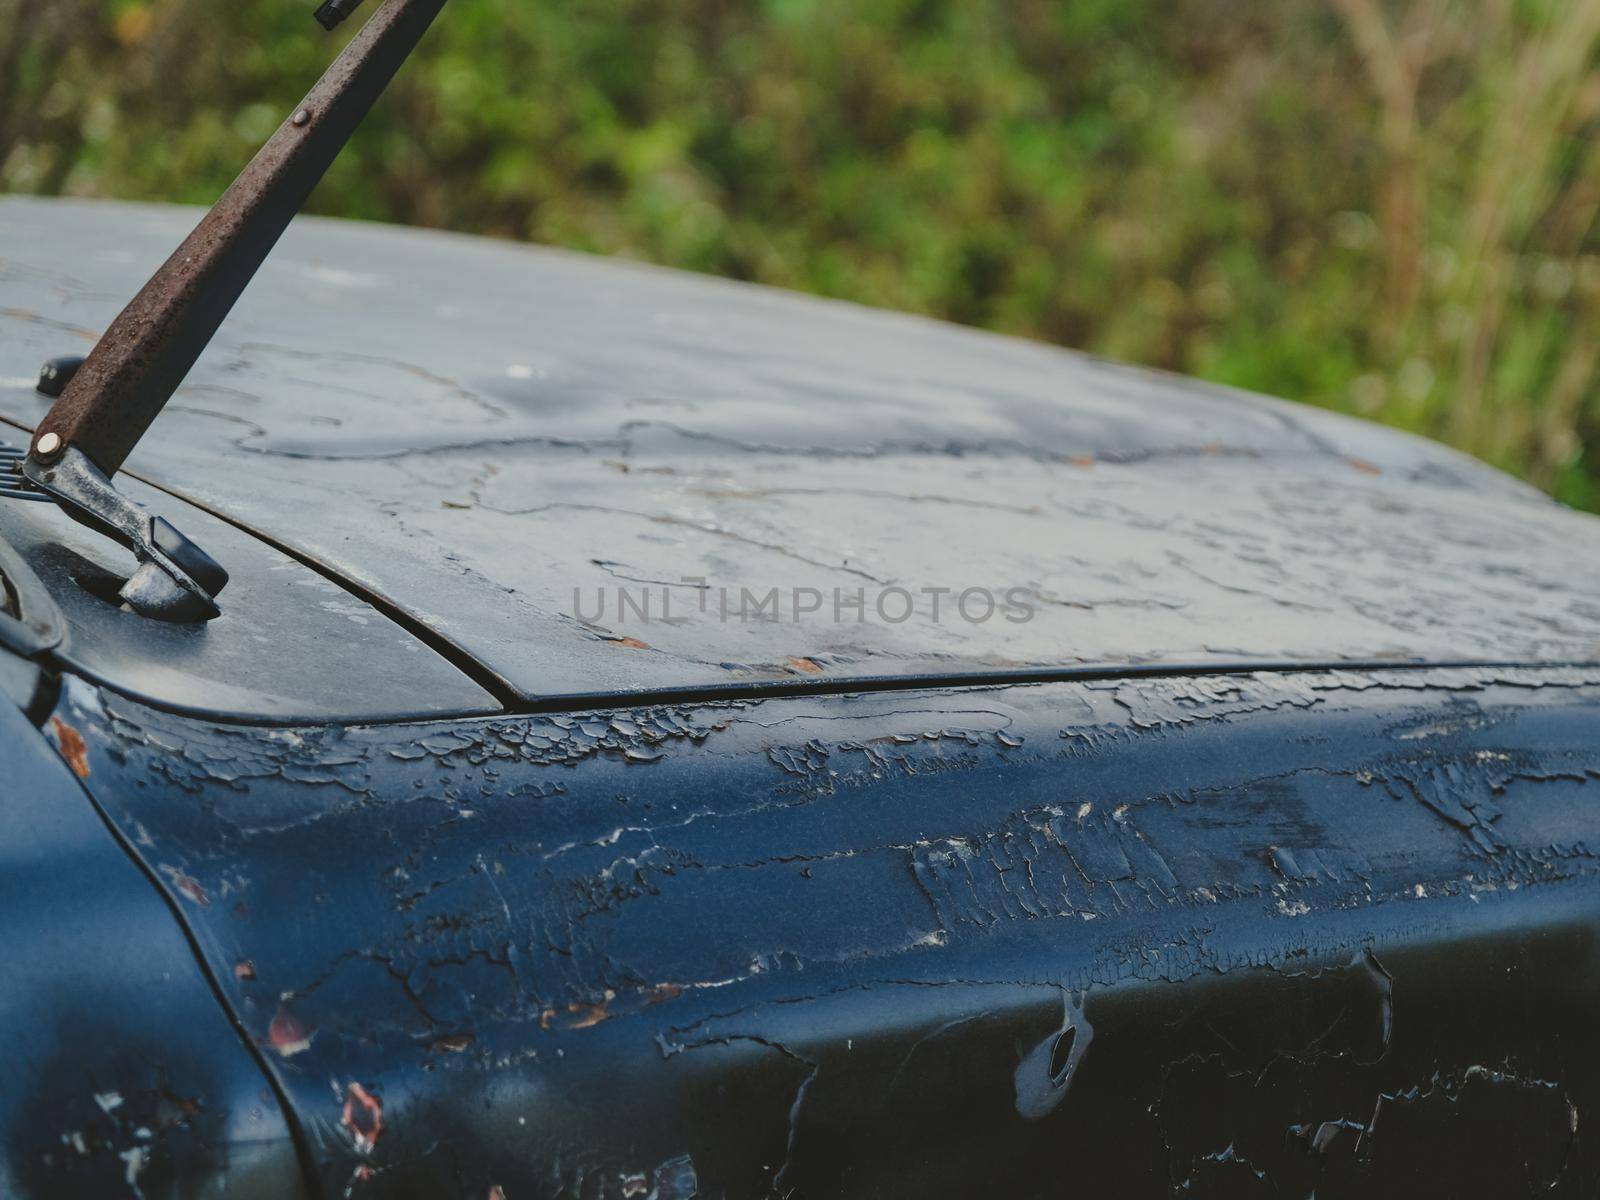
column 176, row 580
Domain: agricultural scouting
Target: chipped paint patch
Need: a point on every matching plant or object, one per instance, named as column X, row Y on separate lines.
column 287, row 1034
column 675, row 1179
column 185, row 885
column 362, row 1117
column 1045, row 1072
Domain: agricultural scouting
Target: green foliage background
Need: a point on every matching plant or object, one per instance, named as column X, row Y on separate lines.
column 1381, row 206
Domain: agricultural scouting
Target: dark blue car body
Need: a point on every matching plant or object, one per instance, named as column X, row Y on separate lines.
column 563, row 807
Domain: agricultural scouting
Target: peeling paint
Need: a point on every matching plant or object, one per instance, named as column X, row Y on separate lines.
column 869, row 932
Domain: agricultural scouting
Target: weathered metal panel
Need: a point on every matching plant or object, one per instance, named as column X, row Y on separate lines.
column 502, row 440
column 123, row 1076
column 292, row 645
column 1225, row 935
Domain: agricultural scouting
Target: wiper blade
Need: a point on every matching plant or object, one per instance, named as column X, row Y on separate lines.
column 148, row 350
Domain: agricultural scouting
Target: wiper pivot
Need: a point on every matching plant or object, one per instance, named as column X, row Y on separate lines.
column 175, row 581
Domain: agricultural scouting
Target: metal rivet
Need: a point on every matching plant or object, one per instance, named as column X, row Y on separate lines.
column 303, row 117
column 48, row 445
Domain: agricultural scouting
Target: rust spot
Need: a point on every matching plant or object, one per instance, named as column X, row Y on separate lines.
column 287, row 1034
column 363, row 1117
column 186, row 885
column 244, row 970
column 1214, row 448
column 577, row 1015
column 1364, row 466
column 586, row 1015
column 805, row 666
column 1084, row 462
column 632, row 643
column 72, row 746
column 451, row 1043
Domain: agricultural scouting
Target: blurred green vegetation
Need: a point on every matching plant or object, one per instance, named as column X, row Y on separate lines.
column 1381, row 206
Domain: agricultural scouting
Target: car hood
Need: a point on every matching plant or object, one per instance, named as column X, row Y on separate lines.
column 594, row 478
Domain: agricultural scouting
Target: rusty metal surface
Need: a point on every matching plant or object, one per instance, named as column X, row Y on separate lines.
column 1330, row 933
column 151, row 345
column 477, row 431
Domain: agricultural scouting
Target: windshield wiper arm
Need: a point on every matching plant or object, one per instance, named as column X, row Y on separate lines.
column 148, row 350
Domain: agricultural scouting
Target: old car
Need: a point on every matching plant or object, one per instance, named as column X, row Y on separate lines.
column 662, row 737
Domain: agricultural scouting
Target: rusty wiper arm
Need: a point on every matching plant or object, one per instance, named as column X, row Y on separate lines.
column 147, row 351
